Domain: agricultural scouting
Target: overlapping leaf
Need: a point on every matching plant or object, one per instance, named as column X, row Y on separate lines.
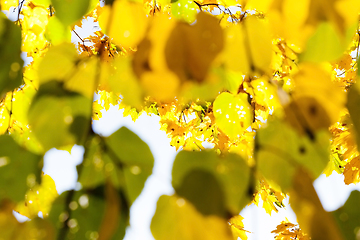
column 112, row 177
column 133, row 156
column 248, row 46
column 347, row 216
column 70, row 11
column 63, row 64
column 64, row 114
column 230, row 179
column 175, row 54
column 11, row 62
column 11, row 229
column 176, row 218
column 123, row 158
column 104, row 205
column 125, row 22
column 19, row 169
column 280, row 151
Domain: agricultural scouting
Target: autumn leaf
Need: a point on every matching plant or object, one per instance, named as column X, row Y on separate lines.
column 288, row 231
column 237, row 227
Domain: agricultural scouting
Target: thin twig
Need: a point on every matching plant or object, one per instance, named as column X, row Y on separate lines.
column 19, row 10
column 10, row 112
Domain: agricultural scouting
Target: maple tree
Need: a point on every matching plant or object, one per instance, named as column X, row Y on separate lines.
column 271, row 85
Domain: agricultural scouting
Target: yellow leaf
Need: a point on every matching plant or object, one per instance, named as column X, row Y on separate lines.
column 203, row 41
column 237, row 227
column 125, row 21
column 96, row 110
column 150, row 65
column 259, row 43
column 258, row 5
column 163, row 86
column 234, row 54
column 38, row 20
column 283, row 226
column 248, row 46
column 348, row 10
column 265, row 93
column 352, row 171
column 7, row 4
column 317, row 101
column 287, row 19
column 318, row 11
column 151, row 51
column 345, row 62
column 233, row 113
column 289, row 231
column 39, row 199
column 11, row 229
column 4, row 114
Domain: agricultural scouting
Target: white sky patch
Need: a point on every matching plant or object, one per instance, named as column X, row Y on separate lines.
column 332, row 190
column 61, row 166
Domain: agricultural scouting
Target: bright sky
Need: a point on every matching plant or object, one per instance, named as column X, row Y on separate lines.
column 60, row 165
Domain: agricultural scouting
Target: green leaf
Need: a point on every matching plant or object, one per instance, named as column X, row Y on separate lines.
column 125, row 82
column 229, row 177
column 280, row 150
column 348, row 218
column 98, row 167
column 70, row 11
column 56, row 32
column 324, row 45
column 204, row 184
column 58, row 63
column 62, row 63
column 352, row 105
column 133, row 157
column 59, row 117
column 93, row 168
column 10, row 49
column 93, row 212
column 233, row 113
column 177, row 219
column 233, row 81
column 184, row 10
column 19, row 169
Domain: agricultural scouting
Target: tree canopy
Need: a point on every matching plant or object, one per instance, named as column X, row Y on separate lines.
column 270, row 85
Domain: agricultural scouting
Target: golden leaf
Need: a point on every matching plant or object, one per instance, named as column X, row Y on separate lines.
column 352, row 171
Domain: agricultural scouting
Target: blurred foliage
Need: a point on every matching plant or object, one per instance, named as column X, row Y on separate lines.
column 269, row 85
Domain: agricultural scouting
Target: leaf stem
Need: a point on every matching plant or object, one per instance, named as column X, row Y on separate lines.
column 10, row 112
